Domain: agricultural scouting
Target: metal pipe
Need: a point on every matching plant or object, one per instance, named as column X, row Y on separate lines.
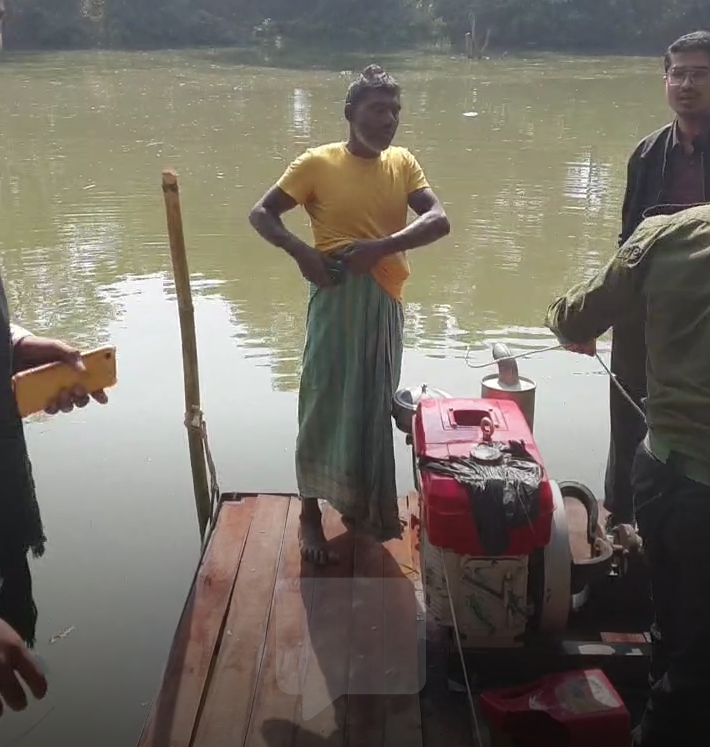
column 507, row 366
column 508, row 384
column 524, row 354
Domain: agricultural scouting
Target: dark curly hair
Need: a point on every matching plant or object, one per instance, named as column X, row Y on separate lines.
column 372, row 78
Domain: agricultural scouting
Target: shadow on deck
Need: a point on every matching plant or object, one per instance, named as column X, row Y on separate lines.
column 271, row 652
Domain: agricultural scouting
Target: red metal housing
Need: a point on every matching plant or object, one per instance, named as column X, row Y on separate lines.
column 445, row 428
column 571, row 709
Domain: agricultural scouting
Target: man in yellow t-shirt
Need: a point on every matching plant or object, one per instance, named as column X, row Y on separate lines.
column 357, row 194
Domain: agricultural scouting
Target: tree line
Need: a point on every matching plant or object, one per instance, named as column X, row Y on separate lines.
column 355, row 25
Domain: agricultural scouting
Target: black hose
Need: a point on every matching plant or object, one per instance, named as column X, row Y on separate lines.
column 584, row 495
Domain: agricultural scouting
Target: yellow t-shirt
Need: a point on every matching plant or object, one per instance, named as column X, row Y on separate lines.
column 350, row 198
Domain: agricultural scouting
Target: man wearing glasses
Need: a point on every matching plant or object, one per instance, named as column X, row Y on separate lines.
column 668, row 171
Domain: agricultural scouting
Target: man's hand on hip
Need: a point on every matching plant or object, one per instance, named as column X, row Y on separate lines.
column 313, row 265
column 361, row 256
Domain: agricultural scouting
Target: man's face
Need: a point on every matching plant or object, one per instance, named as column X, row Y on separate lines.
column 688, row 84
column 375, row 119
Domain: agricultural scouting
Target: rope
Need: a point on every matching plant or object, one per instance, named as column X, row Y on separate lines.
column 475, row 727
column 197, row 421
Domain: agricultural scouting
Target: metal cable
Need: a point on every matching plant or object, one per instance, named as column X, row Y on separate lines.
column 621, row 389
column 524, row 354
column 606, row 368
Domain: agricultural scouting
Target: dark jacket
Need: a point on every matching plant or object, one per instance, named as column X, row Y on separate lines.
column 20, row 521
column 646, row 177
column 645, row 195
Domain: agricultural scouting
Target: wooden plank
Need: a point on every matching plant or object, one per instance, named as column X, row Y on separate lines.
column 276, row 698
column 324, row 700
column 403, row 725
column 225, row 716
column 365, row 719
column 172, row 717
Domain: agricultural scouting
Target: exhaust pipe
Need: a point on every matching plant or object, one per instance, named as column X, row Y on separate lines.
column 508, row 384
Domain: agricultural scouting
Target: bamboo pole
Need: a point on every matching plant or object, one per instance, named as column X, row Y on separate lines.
column 193, row 414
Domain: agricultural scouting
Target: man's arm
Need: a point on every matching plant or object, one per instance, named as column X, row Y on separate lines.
column 590, row 308
column 430, row 225
column 295, row 187
column 265, row 218
column 17, row 333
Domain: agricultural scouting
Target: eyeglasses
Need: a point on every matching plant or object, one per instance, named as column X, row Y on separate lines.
column 698, row 76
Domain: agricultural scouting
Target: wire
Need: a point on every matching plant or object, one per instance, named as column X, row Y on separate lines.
column 606, row 368
column 496, row 361
column 623, row 391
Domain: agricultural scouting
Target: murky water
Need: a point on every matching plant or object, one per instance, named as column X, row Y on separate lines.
column 533, row 186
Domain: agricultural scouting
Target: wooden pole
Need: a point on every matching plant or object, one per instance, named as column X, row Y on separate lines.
column 193, row 413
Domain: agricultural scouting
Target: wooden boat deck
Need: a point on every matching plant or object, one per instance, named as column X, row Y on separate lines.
column 271, row 652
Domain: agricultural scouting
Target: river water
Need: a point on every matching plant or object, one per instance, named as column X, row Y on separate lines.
column 533, row 186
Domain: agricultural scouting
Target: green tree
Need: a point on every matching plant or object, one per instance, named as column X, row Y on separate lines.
column 353, row 25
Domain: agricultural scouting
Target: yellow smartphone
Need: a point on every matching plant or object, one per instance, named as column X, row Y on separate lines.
column 36, row 387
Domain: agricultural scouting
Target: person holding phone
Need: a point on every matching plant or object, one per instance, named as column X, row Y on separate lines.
column 21, row 530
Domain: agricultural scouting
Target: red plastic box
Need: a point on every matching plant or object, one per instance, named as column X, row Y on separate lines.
column 452, row 427
column 572, row 709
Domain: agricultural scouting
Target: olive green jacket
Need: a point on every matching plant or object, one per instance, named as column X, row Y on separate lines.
column 664, row 268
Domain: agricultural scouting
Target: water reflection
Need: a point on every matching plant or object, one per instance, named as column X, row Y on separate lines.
column 587, row 183
column 301, row 104
column 532, row 203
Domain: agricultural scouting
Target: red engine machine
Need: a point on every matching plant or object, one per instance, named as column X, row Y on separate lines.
column 493, row 598
column 497, row 566
column 526, row 582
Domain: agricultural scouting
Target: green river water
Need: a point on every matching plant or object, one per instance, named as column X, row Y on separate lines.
column 533, row 187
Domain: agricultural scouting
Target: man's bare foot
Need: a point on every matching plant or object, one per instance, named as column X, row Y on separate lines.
column 314, row 546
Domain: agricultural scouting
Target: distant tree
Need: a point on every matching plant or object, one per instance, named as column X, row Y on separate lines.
column 354, row 25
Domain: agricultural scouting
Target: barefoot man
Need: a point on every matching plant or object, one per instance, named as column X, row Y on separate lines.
column 356, row 194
